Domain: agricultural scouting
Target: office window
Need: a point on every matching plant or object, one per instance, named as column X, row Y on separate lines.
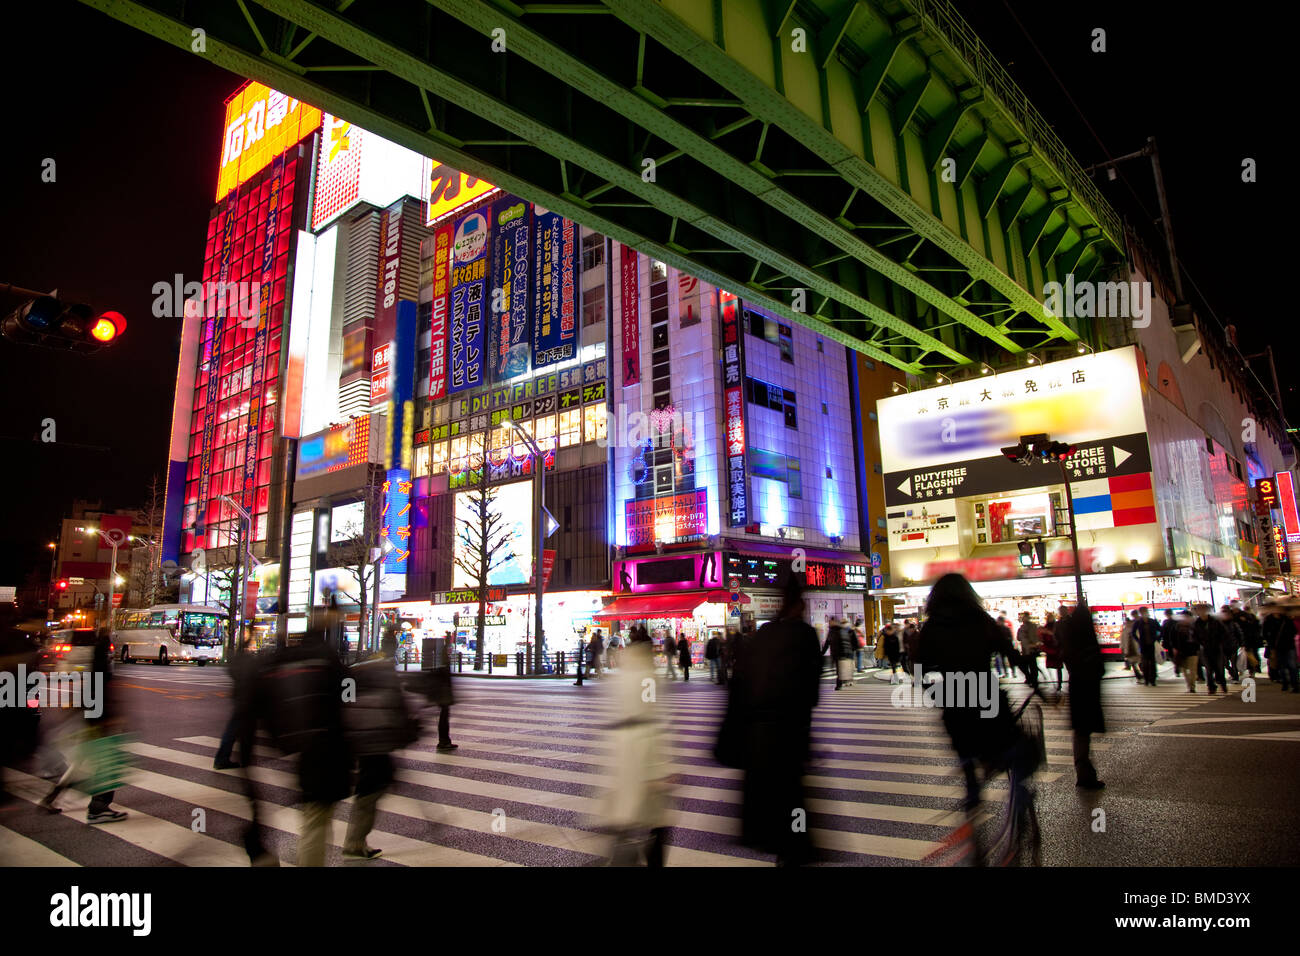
column 593, row 423
column 593, row 251
column 546, row 430
column 570, row 427
column 459, row 455
column 658, row 271
column 438, row 458
column 421, row 461
column 593, row 306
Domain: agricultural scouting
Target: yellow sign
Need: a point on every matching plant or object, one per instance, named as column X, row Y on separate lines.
column 261, row 123
column 449, row 189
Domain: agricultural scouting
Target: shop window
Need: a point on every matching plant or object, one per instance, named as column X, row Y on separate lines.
column 421, row 468
column 570, row 427
column 459, row 454
column 593, row 423
column 438, row 458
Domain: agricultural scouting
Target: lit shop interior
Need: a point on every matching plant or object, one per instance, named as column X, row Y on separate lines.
column 1015, row 550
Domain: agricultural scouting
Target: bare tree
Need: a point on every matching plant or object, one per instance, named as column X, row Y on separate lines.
column 145, row 580
column 227, row 579
column 483, row 546
column 354, row 542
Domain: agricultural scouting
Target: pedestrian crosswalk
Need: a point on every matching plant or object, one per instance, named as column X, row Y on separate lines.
column 525, row 786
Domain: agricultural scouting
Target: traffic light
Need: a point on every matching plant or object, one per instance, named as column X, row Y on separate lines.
column 50, row 323
column 63, row 584
column 1033, row 554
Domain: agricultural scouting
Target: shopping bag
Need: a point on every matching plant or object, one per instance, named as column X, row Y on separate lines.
column 104, row 763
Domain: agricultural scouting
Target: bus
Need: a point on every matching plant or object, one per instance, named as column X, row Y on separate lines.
column 167, row 633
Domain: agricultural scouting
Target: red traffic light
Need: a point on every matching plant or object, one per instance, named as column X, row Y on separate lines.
column 108, row 327
column 63, row 585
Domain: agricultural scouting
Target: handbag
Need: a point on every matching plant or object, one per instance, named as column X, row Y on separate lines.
column 105, row 762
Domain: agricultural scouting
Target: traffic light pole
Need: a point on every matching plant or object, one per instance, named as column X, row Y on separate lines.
column 1074, row 536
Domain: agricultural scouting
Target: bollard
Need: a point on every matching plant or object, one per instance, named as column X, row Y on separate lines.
column 489, row 660
column 578, row 682
column 519, row 663
column 559, row 663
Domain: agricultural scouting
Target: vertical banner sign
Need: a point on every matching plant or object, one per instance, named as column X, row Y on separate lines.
column 258, row 389
column 395, row 523
column 468, row 317
column 733, row 387
column 511, row 339
column 390, row 269
column 555, row 295
column 381, row 371
column 212, row 362
column 1286, row 503
column 401, row 378
column 631, row 317
column 438, row 340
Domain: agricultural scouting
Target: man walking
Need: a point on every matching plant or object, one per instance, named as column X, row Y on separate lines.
column 1146, row 634
column 1213, row 638
column 1027, row 638
column 1189, row 651
column 376, row 723
column 670, row 652
column 712, row 654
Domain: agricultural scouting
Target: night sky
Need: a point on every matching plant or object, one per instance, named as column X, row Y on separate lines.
column 134, row 126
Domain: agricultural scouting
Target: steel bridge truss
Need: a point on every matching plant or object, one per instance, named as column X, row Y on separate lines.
column 865, row 169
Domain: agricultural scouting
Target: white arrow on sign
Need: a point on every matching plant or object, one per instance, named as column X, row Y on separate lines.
column 1121, row 455
column 906, row 486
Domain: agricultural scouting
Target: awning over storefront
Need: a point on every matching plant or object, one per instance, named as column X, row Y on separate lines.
column 636, row 607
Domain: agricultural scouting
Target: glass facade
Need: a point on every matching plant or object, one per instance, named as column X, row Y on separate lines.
column 225, row 386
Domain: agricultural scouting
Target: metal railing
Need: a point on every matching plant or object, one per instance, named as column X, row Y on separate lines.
column 949, row 26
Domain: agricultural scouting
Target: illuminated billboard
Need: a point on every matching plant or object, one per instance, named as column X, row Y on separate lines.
column 1286, row 502
column 334, row 449
column 261, row 123
column 338, row 172
column 449, row 190
column 513, row 561
column 946, row 442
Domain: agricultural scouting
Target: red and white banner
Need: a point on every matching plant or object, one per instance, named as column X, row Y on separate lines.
column 441, row 287
column 381, row 374
column 631, row 316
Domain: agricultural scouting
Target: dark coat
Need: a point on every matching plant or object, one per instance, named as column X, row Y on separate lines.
column 1211, row 635
column 963, row 641
column 713, row 649
column 377, row 722
column 302, row 690
column 773, row 692
column 1147, row 635
column 684, row 653
column 1082, row 655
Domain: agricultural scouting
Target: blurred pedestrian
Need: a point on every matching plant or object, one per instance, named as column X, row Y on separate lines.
column 959, row 640
column 1279, row 632
column 1077, row 636
column 1030, row 639
column 242, row 724
column 1000, row 662
column 376, row 723
column 892, row 648
column 684, row 655
column 1213, row 638
column 1129, row 646
column 911, row 645
column 713, row 654
column 1232, row 643
column 596, row 650
column 768, row 728
column 99, row 761
column 305, row 687
column 1148, row 636
column 1189, row 651
column 839, row 642
column 670, row 652
column 439, row 693
column 634, row 803
column 1169, row 637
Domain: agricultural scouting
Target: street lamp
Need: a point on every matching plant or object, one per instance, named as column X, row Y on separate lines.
column 540, row 533
column 114, row 537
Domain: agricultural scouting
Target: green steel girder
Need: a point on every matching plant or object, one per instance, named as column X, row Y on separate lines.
column 764, row 101
column 752, row 192
column 265, row 68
